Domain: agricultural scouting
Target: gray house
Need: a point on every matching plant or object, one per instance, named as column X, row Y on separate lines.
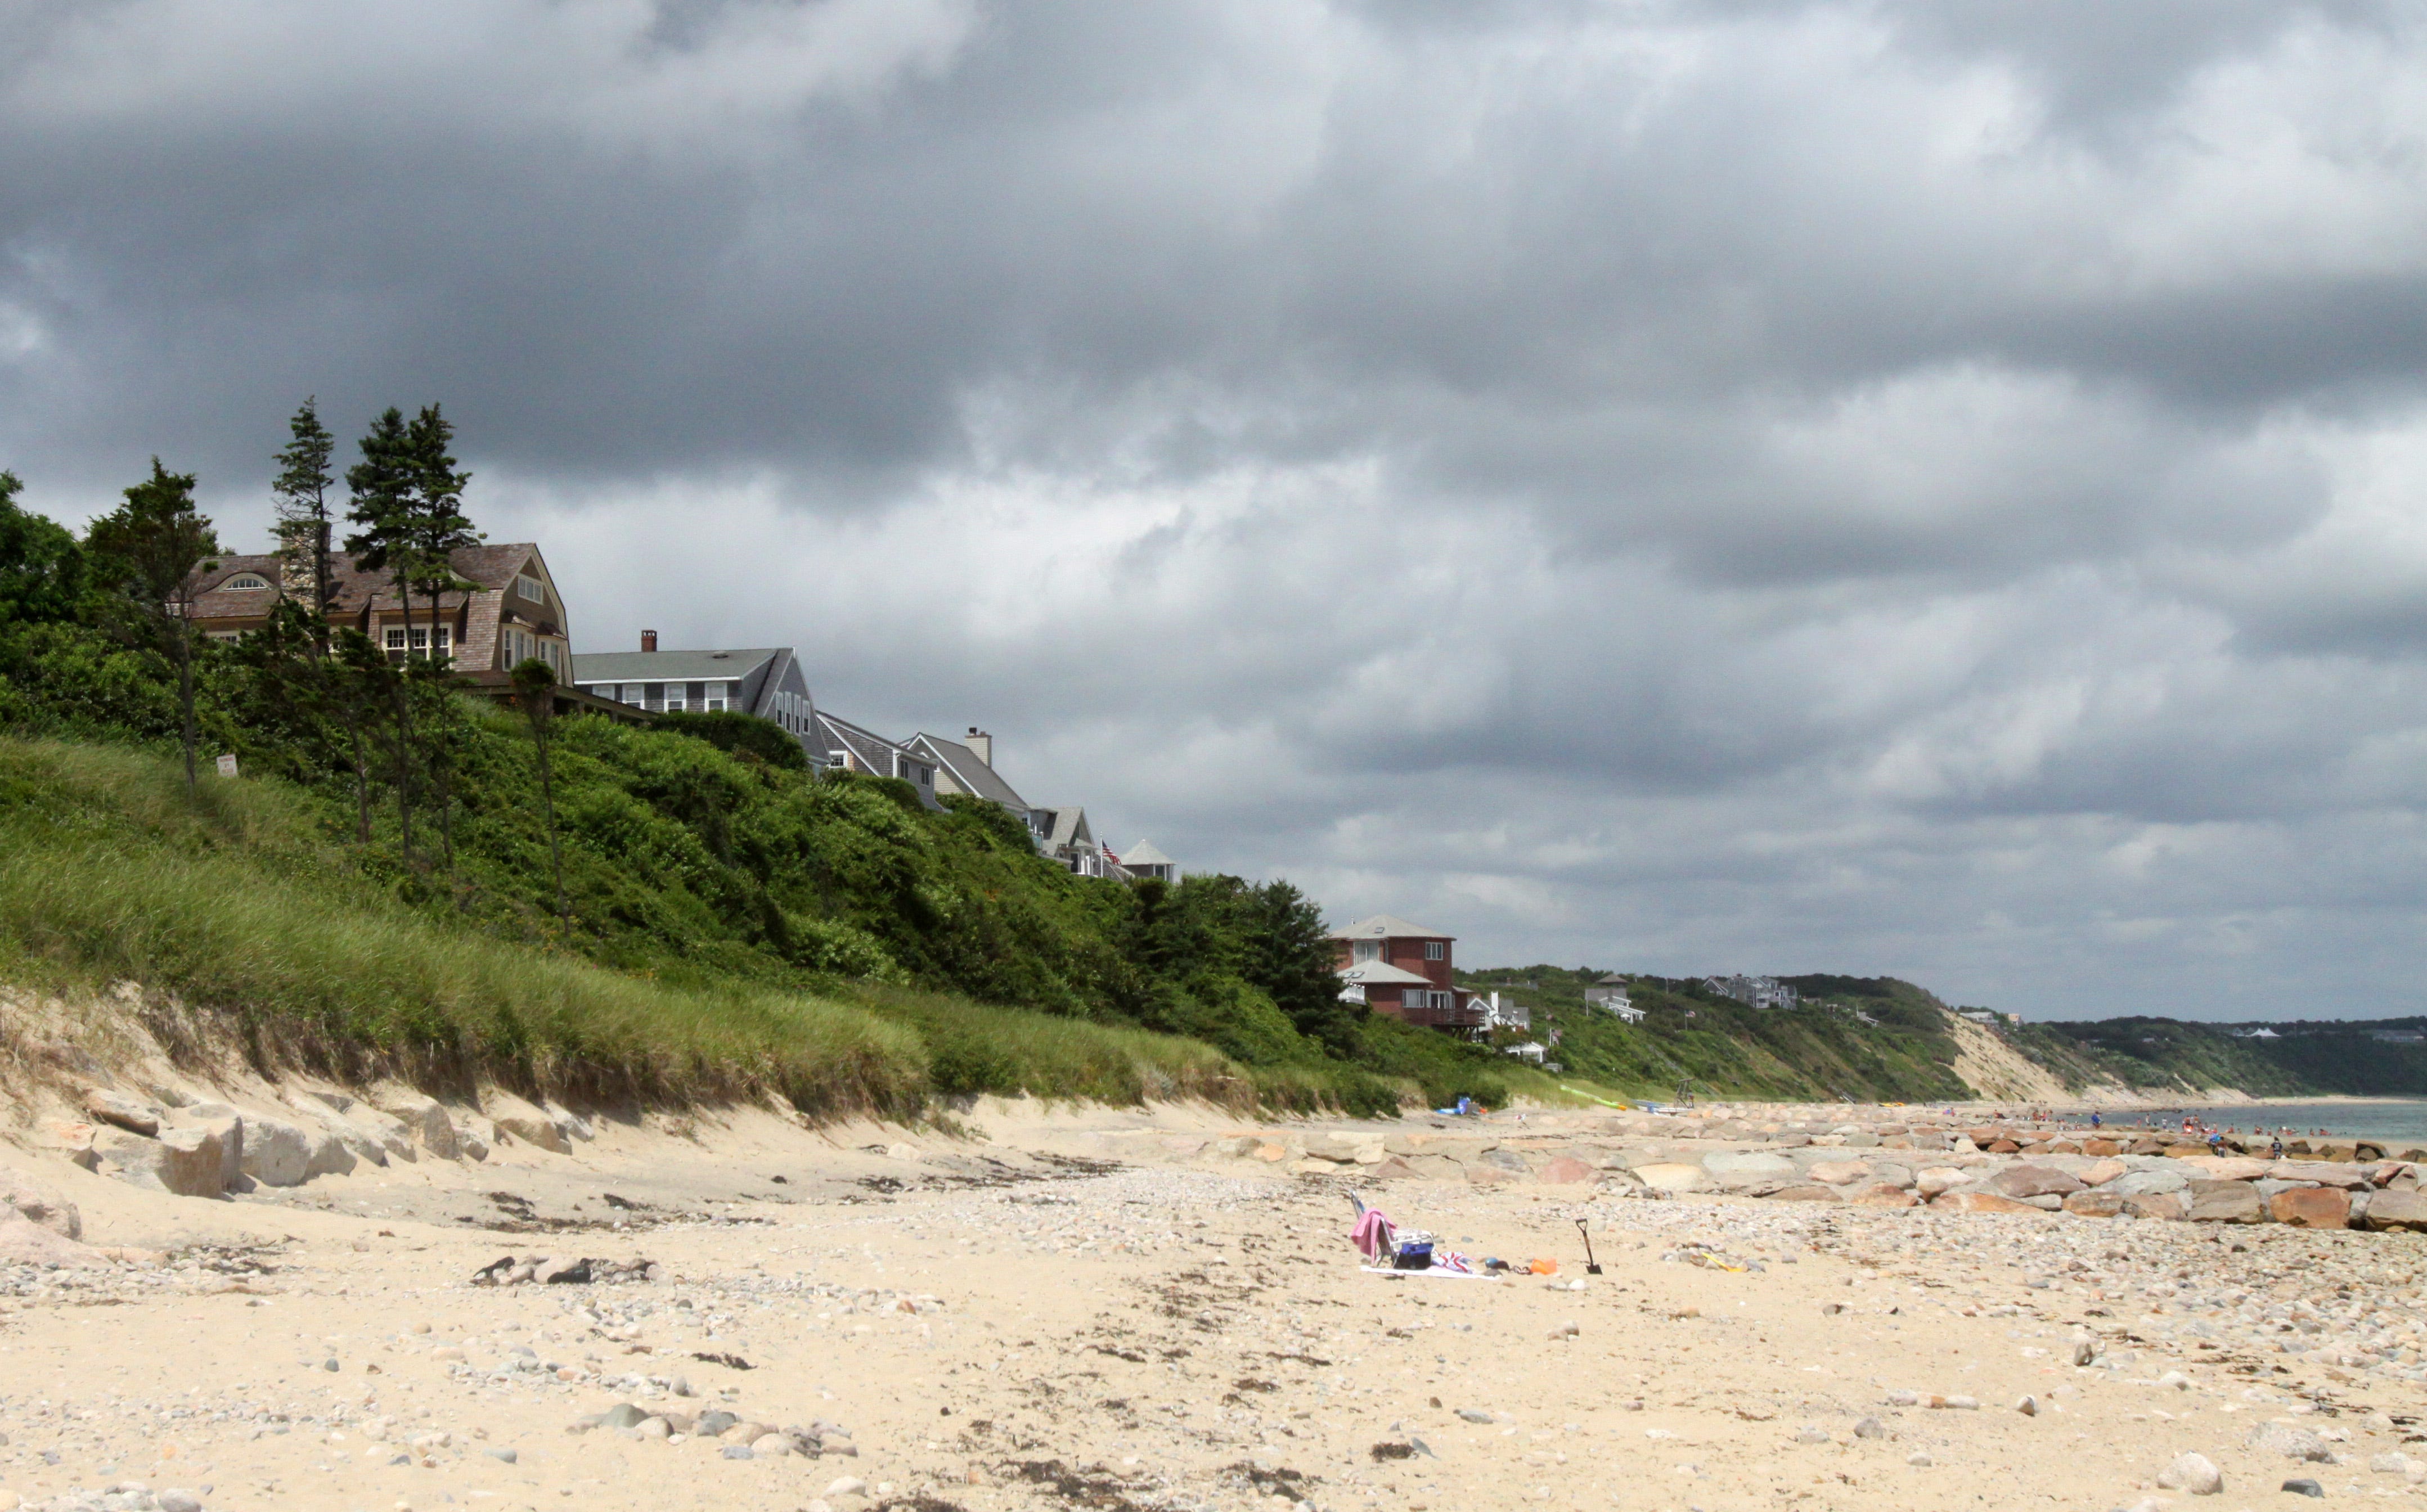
column 765, row 680
column 856, row 748
column 1069, row 840
column 967, row 766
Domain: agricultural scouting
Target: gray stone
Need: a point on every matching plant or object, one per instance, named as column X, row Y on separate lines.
column 2225, row 1202
column 522, row 1121
column 738, row 1452
column 186, row 1162
column 279, row 1154
column 2392, row 1210
column 424, row 1117
column 40, row 1204
column 2146, row 1182
column 506, row 1456
column 2293, row 1443
column 176, row 1499
column 133, row 1115
column 2302, row 1486
column 1871, row 1428
column 1812, row 1433
column 622, row 1415
column 2022, row 1182
column 2194, row 1473
column 230, row 1129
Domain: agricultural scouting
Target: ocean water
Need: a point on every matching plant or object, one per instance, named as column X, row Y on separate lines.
column 2402, row 1119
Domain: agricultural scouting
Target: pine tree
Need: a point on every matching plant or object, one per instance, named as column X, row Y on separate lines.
column 148, row 552
column 381, row 485
column 305, row 526
column 439, row 528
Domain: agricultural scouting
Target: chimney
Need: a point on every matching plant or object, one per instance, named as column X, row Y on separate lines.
column 983, row 744
column 648, row 639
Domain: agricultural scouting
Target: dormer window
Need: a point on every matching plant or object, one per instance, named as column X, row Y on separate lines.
column 246, row 580
column 530, row 588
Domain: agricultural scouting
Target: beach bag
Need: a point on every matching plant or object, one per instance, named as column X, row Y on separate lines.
column 1413, row 1257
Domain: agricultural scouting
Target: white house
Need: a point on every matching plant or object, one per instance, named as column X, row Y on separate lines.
column 1610, row 996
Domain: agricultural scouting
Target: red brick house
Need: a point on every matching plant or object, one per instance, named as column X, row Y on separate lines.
column 1403, row 970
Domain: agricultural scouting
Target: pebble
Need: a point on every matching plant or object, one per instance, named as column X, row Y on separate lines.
column 1870, row 1428
column 1812, row 1433
column 845, row 1486
column 2302, row 1486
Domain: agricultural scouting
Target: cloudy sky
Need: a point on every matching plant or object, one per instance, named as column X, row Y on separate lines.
column 1934, row 490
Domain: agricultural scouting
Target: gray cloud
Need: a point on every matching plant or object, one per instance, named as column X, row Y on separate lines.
column 1810, row 487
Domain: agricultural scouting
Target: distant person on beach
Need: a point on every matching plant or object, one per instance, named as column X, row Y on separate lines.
column 2275, row 1148
column 2094, row 1118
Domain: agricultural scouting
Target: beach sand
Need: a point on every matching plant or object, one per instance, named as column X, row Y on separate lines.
column 1101, row 1309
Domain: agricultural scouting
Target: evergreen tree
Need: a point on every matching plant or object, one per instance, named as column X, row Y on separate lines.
column 382, row 486
column 1291, row 956
column 42, row 569
column 305, row 526
column 148, row 553
column 439, row 527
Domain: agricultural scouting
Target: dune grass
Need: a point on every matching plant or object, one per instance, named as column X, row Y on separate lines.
column 234, row 904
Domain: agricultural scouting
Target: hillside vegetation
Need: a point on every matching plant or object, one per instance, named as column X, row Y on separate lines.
column 1693, row 1037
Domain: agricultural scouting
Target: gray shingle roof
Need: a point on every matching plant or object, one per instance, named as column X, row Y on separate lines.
column 668, row 666
column 971, row 774
column 1144, row 855
column 1380, row 974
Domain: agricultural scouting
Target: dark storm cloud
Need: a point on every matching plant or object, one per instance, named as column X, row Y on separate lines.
column 1890, row 488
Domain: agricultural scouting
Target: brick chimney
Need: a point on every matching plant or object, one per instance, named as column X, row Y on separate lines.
column 648, row 639
column 982, row 743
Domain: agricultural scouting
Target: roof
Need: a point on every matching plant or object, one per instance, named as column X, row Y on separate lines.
column 1069, row 827
column 971, row 774
column 486, row 567
column 669, row 666
column 1385, row 927
column 1613, row 980
column 1381, row 974
column 1144, row 855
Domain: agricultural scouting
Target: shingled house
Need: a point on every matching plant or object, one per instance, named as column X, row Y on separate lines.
column 855, row 748
column 762, row 680
column 508, row 612
column 967, row 766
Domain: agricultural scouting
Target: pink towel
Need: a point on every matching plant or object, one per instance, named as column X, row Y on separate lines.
column 1371, row 1233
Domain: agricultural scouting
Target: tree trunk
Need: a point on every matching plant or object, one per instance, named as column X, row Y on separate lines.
column 185, row 653
column 362, row 783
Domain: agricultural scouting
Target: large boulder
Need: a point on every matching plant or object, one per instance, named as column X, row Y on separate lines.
column 1752, row 1171
column 1561, row 1170
column 423, row 1115
column 2165, row 1205
column 2021, row 1182
column 2144, row 1182
column 121, row 1111
column 2405, row 1211
column 1339, row 1148
column 2228, row 1168
column 1838, row 1173
column 2098, row 1173
column 2225, row 1202
column 2324, row 1173
column 2312, row 1207
column 187, row 1162
column 522, row 1121
column 23, row 1242
column 2094, row 1202
column 277, row 1153
column 323, row 1114
column 1666, row 1176
column 27, row 1199
column 1934, row 1180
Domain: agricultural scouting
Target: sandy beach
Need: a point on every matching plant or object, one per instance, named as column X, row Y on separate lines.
column 1119, row 1308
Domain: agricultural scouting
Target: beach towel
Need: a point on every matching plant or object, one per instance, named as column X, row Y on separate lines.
column 1372, row 1234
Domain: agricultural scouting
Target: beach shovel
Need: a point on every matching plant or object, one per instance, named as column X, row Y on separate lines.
column 1591, row 1267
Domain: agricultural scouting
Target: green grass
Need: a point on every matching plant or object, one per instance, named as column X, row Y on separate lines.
column 238, row 908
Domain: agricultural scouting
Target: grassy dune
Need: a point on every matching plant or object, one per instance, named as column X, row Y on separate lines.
column 237, row 906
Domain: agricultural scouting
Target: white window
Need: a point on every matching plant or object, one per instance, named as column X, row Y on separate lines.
column 1362, row 950
column 246, row 580
column 719, row 696
column 530, row 588
column 1435, row 949
column 395, row 638
column 421, row 639
column 635, row 694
